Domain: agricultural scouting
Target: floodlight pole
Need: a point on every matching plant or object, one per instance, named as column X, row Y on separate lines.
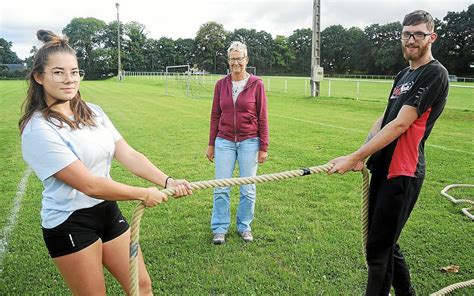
column 119, row 64
column 316, row 70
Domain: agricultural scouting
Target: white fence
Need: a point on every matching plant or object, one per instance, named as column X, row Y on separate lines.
column 452, row 78
column 364, row 87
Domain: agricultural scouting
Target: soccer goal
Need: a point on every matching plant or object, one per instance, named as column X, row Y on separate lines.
column 252, row 70
column 249, row 69
column 179, row 74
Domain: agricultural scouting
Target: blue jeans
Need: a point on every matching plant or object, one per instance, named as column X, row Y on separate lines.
column 226, row 153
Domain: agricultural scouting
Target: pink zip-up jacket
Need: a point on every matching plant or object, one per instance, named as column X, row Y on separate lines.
column 248, row 119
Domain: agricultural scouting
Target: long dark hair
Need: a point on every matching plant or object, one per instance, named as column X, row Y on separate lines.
column 35, row 99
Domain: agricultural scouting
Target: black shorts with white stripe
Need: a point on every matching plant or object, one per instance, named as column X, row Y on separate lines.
column 84, row 227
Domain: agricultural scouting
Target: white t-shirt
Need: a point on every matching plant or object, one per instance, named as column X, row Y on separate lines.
column 238, row 87
column 48, row 149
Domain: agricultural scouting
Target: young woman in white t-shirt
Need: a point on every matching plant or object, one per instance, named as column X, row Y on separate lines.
column 70, row 145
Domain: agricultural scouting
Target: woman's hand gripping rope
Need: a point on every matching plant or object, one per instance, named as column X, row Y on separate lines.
column 155, row 196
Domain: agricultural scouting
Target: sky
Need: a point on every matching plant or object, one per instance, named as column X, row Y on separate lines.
column 20, row 19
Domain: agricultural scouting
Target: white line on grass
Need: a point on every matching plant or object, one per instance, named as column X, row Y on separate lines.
column 320, row 123
column 449, row 149
column 462, row 86
column 363, row 132
column 11, row 223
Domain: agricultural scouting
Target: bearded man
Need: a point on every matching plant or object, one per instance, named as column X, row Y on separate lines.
column 396, row 146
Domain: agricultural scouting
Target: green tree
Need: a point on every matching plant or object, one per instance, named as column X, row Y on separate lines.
column 333, row 49
column 110, row 48
column 166, row 52
column 29, row 60
column 282, row 55
column 184, row 49
column 358, row 50
column 151, row 52
column 85, row 36
column 7, row 56
column 210, row 47
column 386, row 53
column 133, row 46
column 301, row 45
column 343, row 50
column 455, row 44
column 259, row 47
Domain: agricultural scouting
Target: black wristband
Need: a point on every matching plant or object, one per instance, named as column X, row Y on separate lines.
column 166, row 182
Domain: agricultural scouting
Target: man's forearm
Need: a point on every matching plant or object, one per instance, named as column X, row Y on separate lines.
column 375, row 129
column 385, row 136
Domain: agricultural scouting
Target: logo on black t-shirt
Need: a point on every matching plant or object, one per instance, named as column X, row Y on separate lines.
column 401, row 89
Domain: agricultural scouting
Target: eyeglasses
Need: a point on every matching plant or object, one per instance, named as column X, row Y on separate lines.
column 238, row 60
column 59, row 76
column 417, row 36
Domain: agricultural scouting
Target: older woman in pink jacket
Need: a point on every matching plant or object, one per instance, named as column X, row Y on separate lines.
column 238, row 133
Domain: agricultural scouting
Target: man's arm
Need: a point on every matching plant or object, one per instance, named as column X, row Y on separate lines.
column 375, row 129
column 385, row 136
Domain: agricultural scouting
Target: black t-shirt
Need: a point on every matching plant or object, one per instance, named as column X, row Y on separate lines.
column 425, row 88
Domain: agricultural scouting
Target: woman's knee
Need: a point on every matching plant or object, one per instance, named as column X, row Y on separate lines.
column 145, row 285
column 249, row 190
column 221, row 192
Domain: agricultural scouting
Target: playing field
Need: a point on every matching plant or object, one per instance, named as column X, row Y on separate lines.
column 307, row 230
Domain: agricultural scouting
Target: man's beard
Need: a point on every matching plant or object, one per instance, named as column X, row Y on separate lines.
column 415, row 56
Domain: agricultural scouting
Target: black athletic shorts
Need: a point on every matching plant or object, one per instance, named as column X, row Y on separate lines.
column 84, row 227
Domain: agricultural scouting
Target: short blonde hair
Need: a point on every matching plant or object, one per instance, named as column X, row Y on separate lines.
column 237, row 46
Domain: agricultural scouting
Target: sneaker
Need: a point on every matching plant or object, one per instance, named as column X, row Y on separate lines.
column 219, row 239
column 246, row 236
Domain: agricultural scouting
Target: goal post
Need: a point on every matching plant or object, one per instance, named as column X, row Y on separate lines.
column 187, row 72
column 252, row 70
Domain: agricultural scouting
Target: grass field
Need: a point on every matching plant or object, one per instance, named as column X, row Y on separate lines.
column 307, row 230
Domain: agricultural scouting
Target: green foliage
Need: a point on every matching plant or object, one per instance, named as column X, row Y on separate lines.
column 184, row 52
column 211, row 46
column 7, row 56
column 307, row 230
column 386, row 55
column 85, row 36
column 29, row 61
column 334, row 53
column 259, row 47
column 134, row 59
column 301, row 44
column 282, row 55
column 455, row 45
column 167, row 52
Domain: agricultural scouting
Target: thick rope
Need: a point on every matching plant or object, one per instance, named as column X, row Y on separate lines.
column 140, row 209
column 453, row 287
column 444, row 192
column 364, row 211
